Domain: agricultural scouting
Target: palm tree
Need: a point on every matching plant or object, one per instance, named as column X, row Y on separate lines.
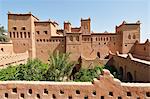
column 60, row 67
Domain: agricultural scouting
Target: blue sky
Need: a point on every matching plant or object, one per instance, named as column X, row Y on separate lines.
column 104, row 14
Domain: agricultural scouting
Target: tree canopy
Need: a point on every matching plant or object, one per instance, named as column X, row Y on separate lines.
column 87, row 75
column 59, row 68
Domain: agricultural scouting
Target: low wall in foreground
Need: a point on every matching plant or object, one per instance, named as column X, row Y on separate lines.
column 105, row 87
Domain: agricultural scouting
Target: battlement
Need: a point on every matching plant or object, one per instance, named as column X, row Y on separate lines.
column 106, row 86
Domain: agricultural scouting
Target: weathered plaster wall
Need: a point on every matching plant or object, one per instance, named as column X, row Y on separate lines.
column 105, row 87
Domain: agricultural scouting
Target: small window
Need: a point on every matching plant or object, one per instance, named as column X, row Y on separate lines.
column 14, row 90
column 96, row 38
column 61, row 92
column 37, row 40
column 25, row 35
column 71, row 38
column 99, row 43
column 128, row 93
column 77, row 92
column 45, row 91
column 126, row 45
column 20, row 34
column 22, row 95
column 2, row 49
column 129, row 36
column 17, row 35
column 77, row 38
column 6, row 95
column 54, row 97
column 14, row 34
column 45, row 32
column 104, row 38
column 94, row 93
column 14, row 28
column 40, row 40
column 44, row 40
column 104, row 43
column 107, row 38
column 102, row 97
column 134, row 36
column 30, row 91
column 119, row 97
column 28, row 34
column 148, row 94
column 110, row 93
column 38, row 96
column 23, row 28
column 37, row 32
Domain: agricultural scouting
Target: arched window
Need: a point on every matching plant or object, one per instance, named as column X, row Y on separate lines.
column 77, row 38
column 134, row 36
column 129, row 77
column 98, row 54
column 104, row 38
column 71, row 38
column 2, row 49
column 107, row 38
column 14, row 34
column 28, row 34
column 121, row 73
column 25, row 35
column 91, row 39
column 129, row 36
column 17, row 35
column 20, row 34
column 96, row 38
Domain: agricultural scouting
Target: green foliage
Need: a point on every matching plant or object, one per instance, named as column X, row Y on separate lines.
column 33, row 70
column 87, row 75
column 8, row 74
column 60, row 67
column 3, row 38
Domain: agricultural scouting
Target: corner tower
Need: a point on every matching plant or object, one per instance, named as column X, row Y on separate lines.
column 86, row 26
column 129, row 33
column 21, row 30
